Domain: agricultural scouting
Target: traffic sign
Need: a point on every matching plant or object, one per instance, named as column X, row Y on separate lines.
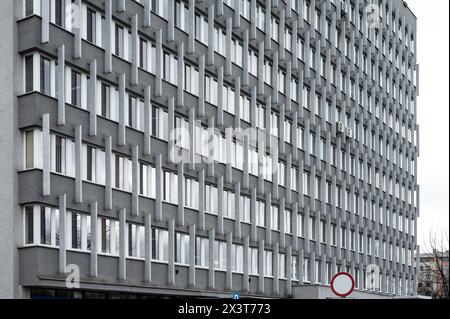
column 342, row 284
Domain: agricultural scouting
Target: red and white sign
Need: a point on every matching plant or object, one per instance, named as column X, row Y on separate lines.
column 342, row 284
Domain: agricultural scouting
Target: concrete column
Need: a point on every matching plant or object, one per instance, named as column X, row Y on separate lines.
column 147, row 13
column 237, row 211
column 211, row 34
column 261, row 266
column 268, row 218
column 171, row 22
column 237, row 14
column 282, row 207
column 229, row 273
column 212, row 153
column 180, row 75
column 191, row 27
column 61, row 78
column 289, row 271
column 92, row 98
column 220, row 205
column 121, row 6
column 201, row 198
column 159, row 63
column 62, row 234
column 135, row 49
column 135, row 181
column 267, row 26
column 76, row 29
column 108, row 41
column 275, row 83
column 148, row 248
column 192, row 255
column 46, row 161
column 261, row 84
column 245, row 176
column 78, row 165
column 252, row 34
column 295, row 223
column 211, row 281
column 228, row 44
column 245, row 283
column 245, row 64
column 201, row 87
column 147, row 121
column 220, row 96
column 122, row 245
column 122, row 103
column 108, row 173
column 237, row 104
column 94, row 239
column 45, row 21
column 159, row 186
column 171, row 267
column 276, row 265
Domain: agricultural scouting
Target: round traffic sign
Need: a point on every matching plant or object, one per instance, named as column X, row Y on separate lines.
column 342, row 284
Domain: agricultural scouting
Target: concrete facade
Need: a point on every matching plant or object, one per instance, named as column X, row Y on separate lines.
column 90, row 176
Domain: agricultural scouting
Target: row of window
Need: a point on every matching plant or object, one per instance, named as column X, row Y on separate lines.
column 42, row 227
column 62, row 156
column 121, row 42
column 40, row 76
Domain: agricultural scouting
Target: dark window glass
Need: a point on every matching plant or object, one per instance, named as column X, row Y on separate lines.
column 89, row 163
column 91, row 25
column 45, row 76
column 45, row 226
column 119, row 41
column 105, row 101
column 76, row 88
column 29, row 73
column 58, row 154
column 29, row 225
column 28, row 7
column 76, row 231
column 59, row 12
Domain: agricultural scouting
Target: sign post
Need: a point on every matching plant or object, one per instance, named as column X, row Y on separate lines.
column 342, row 284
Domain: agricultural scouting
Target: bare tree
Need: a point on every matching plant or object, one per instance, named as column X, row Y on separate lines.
column 434, row 272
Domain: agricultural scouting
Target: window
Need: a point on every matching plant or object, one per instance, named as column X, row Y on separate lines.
column 41, row 225
column 274, row 218
column 268, row 255
column 76, row 88
column 29, row 149
column 136, row 241
column 287, row 222
column 182, row 249
column 160, row 245
column 29, row 10
column 119, row 37
column 202, row 252
column 253, row 261
column 281, row 266
column 191, row 193
column 106, row 101
column 80, row 231
column 220, row 255
column 91, row 26
column 29, row 225
column 237, row 258
column 29, row 74
column 45, row 76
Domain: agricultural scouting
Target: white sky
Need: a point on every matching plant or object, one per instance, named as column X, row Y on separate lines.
column 433, row 109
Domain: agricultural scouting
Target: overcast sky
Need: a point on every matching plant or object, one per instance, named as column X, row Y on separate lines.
column 433, row 114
